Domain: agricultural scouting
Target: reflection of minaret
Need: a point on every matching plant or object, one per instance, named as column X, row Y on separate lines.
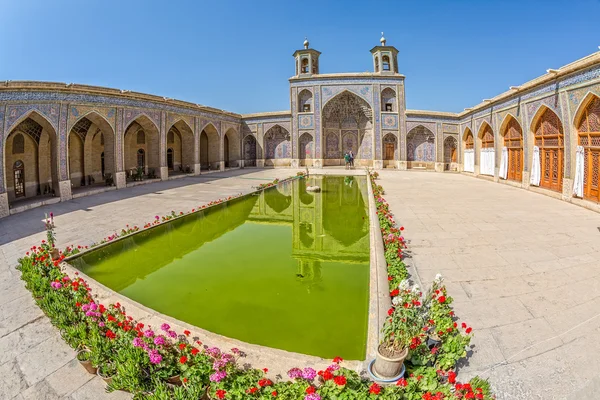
column 309, row 273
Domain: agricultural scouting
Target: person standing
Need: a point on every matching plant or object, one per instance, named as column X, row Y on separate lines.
column 351, row 159
column 347, row 160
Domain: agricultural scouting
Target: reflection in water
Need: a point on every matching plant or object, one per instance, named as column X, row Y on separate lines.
column 257, row 268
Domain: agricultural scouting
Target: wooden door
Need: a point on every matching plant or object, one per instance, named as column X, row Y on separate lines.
column 389, row 151
column 515, row 164
column 551, row 169
column 590, row 174
column 19, row 174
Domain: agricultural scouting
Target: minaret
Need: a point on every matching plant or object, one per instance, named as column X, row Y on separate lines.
column 385, row 58
column 307, row 60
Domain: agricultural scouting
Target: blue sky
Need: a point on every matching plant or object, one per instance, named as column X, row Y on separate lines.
column 237, row 55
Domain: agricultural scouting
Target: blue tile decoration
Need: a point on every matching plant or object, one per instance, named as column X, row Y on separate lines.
column 363, row 91
column 305, row 121
column 16, row 113
column 389, row 121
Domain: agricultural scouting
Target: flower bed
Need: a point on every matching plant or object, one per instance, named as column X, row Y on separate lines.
column 159, row 363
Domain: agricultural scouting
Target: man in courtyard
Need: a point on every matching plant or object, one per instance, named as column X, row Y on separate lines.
column 351, row 158
column 347, row 160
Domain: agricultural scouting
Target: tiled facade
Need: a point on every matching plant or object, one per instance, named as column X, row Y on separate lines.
column 329, row 115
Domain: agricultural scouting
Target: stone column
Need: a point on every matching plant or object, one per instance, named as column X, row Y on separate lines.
column 570, row 137
column 400, row 100
column 162, row 147
column 497, row 146
column 260, row 158
column 378, row 159
column 528, row 142
column 318, row 139
column 439, row 147
column 221, row 148
column 64, row 183
column 120, row 178
column 197, row 146
column 4, row 210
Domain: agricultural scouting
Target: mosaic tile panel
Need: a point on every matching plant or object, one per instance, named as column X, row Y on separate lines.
column 306, row 146
column 453, row 128
column 277, row 143
column 115, row 101
column 366, row 145
column 318, row 128
column 305, row 121
column 410, row 125
column 173, row 118
column 552, row 102
column 389, row 121
column 76, row 112
column 377, row 118
column 15, row 112
column 62, row 142
column 130, row 115
column 577, row 96
column 119, row 139
column 2, row 188
column 363, row 91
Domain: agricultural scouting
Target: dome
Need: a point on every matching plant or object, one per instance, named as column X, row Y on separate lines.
column 306, row 43
column 382, row 40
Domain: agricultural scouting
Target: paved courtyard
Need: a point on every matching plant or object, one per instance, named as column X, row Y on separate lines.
column 524, row 271
column 522, row 268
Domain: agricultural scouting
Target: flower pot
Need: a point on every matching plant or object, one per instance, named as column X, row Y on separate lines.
column 433, row 340
column 55, row 254
column 87, row 364
column 106, row 379
column 175, row 380
column 388, row 366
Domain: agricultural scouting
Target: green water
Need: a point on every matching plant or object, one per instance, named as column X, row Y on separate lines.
column 285, row 269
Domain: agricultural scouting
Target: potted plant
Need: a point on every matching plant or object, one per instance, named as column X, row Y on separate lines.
column 83, row 356
column 404, row 323
column 107, row 371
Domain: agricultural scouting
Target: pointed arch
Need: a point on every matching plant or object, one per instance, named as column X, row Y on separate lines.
column 210, row 148
column 145, row 126
column 512, row 137
column 91, row 150
column 420, row 148
column 450, row 150
column 548, row 134
column 210, row 127
column 305, row 101
column 390, row 149
column 468, row 145
column 277, row 145
column 388, row 100
column 231, row 148
column 250, row 151
column 182, row 147
column 37, row 170
column 587, row 125
column 487, row 150
column 306, row 149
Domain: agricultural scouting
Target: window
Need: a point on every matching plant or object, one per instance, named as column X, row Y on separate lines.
column 141, row 158
column 306, row 108
column 19, row 174
column 304, row 68
column 376, row 64
column 385, row 60
column 170, row 159
column 18, row 144
column 314, row 67
column 141, row 137
column 388, row 107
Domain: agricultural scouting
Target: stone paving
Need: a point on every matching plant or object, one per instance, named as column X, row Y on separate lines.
column 35, row 363
column 522, row 268
column 524, row 271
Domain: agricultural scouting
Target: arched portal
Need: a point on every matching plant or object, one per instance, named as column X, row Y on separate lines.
column 278, row 148
column 91, row 151
column 390, row 150
column 141, row 134
column 487, row 153
column 209, row 148
column 231, row 148
column 249, row 151
column 306, row 148
column 450, row 153
column 420, row 148
column 549, row 138
column 30, row 159
column 469, row 151
column 513, row 141
column 180, row 142
column 588, row 131
column 348, row 126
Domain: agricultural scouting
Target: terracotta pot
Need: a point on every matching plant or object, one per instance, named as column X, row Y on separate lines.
column 433, row 340
column 175, row 380
column 87, row 364
column 106, row 379
column 388, row 367
column 55, row 254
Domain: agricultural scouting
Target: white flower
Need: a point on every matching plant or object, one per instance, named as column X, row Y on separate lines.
column 404, row 285
column 416, row 289
column 396, row 300
column 439, row 278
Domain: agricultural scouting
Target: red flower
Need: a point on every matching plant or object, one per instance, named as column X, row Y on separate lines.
column 464, row 326
column 265, row 370
column 183, row 359
column 187, row 333
column 110, row 334
column 264, row 382
column 391, row 311
column 220, row 393
column 252, row 390
column 401, row 228
column 375, row 388
column 442, row 299
column 402, row 382
column 274, row 393
column 310, row 390
column 452, row 377
column 394, row 292
column 338, row 360
column 327, row 375
column 185, row 380
column 469, row 330
column 390, row 278
column 181, row 346
column 340, row 380
column 195, row 351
